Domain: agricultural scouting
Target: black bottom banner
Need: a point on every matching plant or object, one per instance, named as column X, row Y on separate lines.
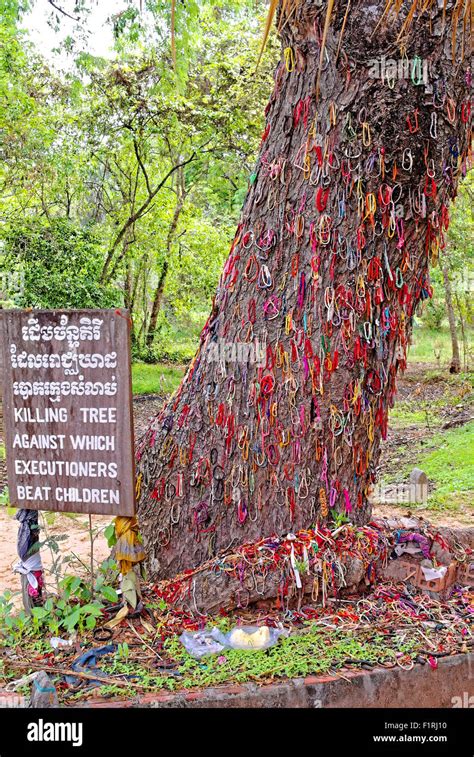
column 138, row 732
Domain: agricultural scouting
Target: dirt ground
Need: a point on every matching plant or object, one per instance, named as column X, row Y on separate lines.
column 73, row 531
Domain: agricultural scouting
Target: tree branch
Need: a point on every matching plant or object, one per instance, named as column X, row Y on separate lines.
column 140, row 163
column 61, row 10
column 138, row 214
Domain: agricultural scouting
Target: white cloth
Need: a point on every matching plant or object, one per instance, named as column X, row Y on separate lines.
column 408, row 547
column 26, row 568
column 14, row 685
column 432, row 574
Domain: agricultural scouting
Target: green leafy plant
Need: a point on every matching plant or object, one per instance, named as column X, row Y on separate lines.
column 339, row 519
column 12, row 626
column 74, row 587
column 59, row 264
column 302, row 566
column 110, row 535
column 123, row 651
column 77, row 607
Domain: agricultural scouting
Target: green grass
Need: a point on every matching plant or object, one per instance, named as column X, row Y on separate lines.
column 450, row 468
column 429, row 345
column 454, row 381
column 404, row 417
column 310, row 651
column 429, row 413
column 448, row 465
column 156, row 378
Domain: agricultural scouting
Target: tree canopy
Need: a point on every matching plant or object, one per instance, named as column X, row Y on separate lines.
column 145, row 163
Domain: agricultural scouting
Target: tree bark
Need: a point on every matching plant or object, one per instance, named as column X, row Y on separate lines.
column 156, row 305
column 455, row 366
column 465, row 344
column 158, row 295
column 347, row 204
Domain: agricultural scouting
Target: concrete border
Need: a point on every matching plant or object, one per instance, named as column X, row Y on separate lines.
column 379, row 688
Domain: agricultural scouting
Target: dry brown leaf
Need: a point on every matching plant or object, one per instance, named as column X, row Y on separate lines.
column 122, row 613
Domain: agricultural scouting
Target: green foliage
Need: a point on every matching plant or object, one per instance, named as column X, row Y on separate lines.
column 457, row 260
column 77, row 607
column 123, row 651
column 460, row 255
column 312, row 650
column 301, row 654
column 92, row 172
column 434, row 314
column 56, row 616
column 338, row 518
column 110, row 535
column 59, row 266
column 73, row 587
column 93, row 191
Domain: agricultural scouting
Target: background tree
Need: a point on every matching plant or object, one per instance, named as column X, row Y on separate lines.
column 457, row 268
column 106, row 145
column 346, row 207
column 455, row 366
column 58, row 265
column 451, row 281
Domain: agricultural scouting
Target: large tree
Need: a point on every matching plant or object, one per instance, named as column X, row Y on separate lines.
column 348, row 204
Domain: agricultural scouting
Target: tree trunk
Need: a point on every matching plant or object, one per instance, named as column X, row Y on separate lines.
column 465, row 344
column 347, row 205
column 156, row 305
column 158, row 296
column 455, row 366
column 127, row 286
